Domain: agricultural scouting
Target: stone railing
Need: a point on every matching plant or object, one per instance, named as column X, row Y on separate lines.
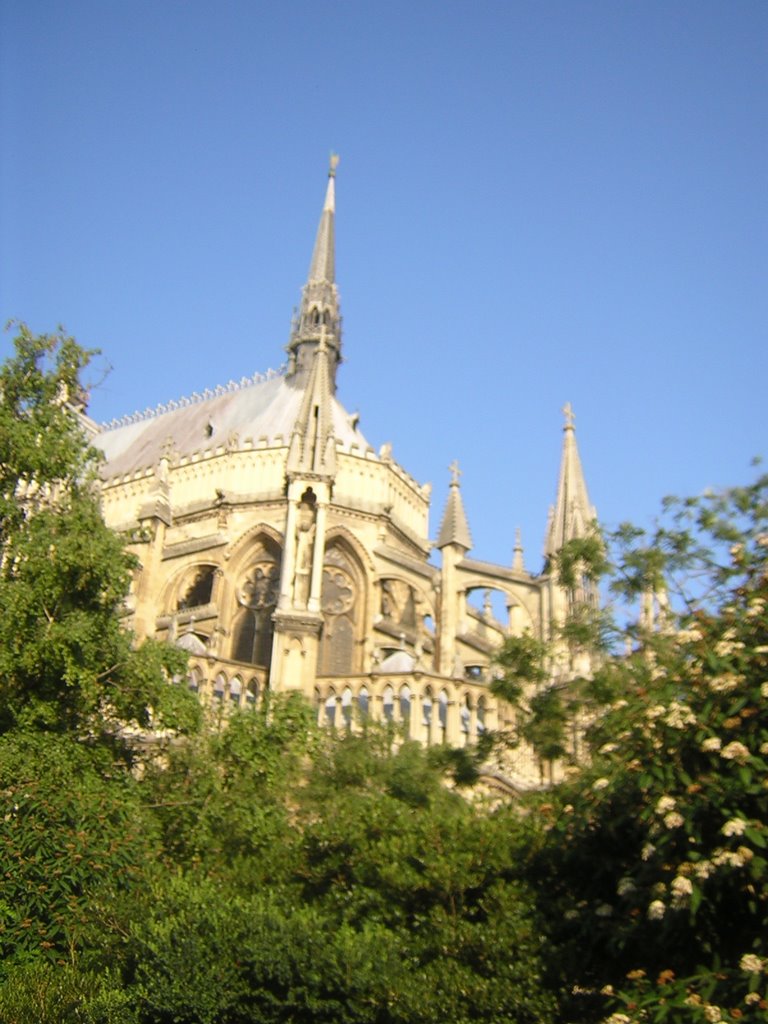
column 428, row 708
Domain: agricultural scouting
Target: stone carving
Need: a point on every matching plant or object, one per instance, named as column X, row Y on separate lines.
column 259, row 590
column 305, row 543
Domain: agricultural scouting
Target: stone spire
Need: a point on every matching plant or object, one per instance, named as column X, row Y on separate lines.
column 454, row 528
column 312, row 449
column 572, row 513
column 319, row 311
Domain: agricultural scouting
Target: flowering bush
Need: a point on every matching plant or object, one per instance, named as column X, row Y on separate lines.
column 653, row 862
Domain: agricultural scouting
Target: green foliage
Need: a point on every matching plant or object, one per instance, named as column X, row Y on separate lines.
column 272, row 872
column 72, row 835
column 652, row 863
column 65, row 660
column 521, row 662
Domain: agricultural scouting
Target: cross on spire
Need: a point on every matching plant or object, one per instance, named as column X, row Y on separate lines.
column 455, row 473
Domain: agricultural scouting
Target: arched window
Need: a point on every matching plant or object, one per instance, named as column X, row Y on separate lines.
column 197, row 588
column 426, row 708
column 346, row 707
column 340, row 601
column 466, row 713
column 330, row 709
column 257, row 595
column 481, row 712
column 405, row 703
column 363, row 703
column 219, row 686
column 388, row 703
column 235, row 689
column 442, row 709
column 194, row 678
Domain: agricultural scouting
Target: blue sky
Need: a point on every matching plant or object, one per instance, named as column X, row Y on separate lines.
column 537, row 203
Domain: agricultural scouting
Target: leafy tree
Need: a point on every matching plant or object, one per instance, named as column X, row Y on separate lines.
column 651, row 864
column 65, row 659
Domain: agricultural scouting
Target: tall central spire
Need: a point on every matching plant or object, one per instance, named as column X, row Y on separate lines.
column 318, row 315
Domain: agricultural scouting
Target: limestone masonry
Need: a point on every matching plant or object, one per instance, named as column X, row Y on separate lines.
column 281, row 551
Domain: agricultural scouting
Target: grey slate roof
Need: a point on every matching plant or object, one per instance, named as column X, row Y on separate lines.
column 261, row 409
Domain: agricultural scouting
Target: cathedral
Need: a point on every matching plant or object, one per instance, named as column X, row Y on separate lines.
column 283, row 552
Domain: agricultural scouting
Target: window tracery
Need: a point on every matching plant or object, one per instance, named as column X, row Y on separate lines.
column 338, row 602
column 257, row 596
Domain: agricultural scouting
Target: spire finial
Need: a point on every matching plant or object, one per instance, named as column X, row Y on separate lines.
column 517, row 552
column 334, row 163
column 454, row 528
column 572, row 513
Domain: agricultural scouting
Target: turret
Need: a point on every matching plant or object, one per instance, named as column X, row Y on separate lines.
column 454, row 540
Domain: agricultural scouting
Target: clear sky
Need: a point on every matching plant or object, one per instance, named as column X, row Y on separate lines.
column 537, row 202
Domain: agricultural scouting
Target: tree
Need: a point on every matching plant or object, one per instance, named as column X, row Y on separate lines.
column 651, row 865
column 65, row 660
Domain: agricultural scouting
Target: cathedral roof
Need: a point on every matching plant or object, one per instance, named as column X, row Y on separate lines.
column 298, row 408
column 259, row 412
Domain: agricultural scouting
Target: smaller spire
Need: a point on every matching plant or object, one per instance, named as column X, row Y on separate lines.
column 312, row 448
column 454, row 528
column 517, row 552
column 572, row 512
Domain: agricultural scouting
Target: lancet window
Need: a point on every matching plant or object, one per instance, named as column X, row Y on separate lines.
column 257, row 595
column 340, row 602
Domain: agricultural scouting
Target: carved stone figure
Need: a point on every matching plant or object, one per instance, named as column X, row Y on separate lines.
column 305, row 542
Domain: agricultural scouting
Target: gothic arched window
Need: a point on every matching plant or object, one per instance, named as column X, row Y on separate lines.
column 257, row 596
column 341, row 612
column 197, row 588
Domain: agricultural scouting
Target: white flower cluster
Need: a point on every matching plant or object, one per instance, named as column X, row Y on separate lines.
column 735, row 751
column 674, row 820
column 691, row 635
column 625, row 887
column 732, row 858
column 725, row 683
column 728, row 644
column 711, row 744
column 679, row 716
column 703, row 869
column 656, row 910
column 750, row 963
column 655, row 711
column 734, row 827
column 682, row 890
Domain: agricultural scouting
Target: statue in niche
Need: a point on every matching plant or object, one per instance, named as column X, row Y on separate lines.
column 305, row 542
